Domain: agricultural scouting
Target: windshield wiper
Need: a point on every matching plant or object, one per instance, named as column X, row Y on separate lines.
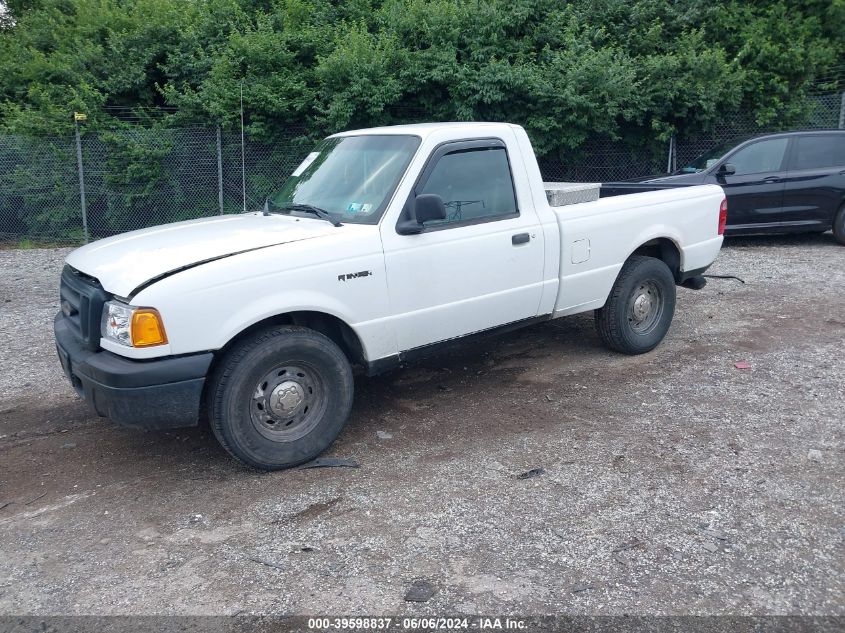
column 304, row 208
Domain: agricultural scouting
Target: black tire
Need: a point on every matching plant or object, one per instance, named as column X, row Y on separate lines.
column 839, row 226
column 627, row 323
column 280, row 397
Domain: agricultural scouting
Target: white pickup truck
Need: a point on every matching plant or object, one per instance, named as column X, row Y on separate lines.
column 383, row 244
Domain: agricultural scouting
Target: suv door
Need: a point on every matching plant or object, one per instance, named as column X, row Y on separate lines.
column 815, row 184
column 755, row 189
column 480, row 267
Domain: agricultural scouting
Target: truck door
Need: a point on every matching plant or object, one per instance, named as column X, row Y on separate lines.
column 479, row 268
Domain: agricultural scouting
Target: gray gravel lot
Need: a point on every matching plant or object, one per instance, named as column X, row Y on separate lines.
column 672, row 483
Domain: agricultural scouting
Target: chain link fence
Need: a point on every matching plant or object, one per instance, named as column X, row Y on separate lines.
column 606, row 160
column 825, row 111
column 39, row 189
column 134, row 179
column 141, row 177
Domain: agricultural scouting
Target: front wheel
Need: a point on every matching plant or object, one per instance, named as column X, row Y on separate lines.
column 640, row 307
column 280, row 397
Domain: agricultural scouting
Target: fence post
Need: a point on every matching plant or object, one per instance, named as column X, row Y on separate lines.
column 842, row 113
column 669, row 160
column 81, row 181
column 219, row 171
column 675, row 155
column 243, row 159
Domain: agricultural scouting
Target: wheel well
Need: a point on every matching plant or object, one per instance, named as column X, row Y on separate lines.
column 664, row 249
column 329, row 325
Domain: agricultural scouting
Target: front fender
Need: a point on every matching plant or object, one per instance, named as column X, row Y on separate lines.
column 269, row 306
column 204, row 308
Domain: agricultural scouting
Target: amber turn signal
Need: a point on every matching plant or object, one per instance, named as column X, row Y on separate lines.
column 147, row 328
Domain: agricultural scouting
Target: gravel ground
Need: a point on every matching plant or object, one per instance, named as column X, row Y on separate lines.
column 672, row 483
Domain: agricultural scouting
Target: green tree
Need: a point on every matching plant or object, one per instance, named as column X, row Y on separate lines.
column 636, row 71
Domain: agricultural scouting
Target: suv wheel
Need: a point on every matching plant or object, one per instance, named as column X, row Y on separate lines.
column 839, row 226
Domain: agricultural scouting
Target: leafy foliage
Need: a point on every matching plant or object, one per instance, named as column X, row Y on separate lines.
column 632, row 70
column 567, row 71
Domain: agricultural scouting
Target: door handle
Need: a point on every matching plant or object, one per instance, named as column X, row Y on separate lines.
column 772, row 179
column 520, row 238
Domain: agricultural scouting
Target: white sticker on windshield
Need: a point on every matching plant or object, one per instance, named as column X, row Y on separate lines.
column 359, row 207
column 304, row 164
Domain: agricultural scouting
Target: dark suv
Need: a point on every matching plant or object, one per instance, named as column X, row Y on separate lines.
column 779, row 183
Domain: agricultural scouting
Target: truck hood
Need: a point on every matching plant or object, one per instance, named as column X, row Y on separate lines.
column 125, row 263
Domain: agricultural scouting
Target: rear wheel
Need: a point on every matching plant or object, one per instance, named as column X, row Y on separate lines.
column 640, row 307
column 839, row 226
column 280, row 397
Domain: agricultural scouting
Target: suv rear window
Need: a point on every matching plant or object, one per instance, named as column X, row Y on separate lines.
column 818, row 151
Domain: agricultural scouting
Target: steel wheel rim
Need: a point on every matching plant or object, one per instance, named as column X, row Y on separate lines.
column 287, row 402
column 645, row 307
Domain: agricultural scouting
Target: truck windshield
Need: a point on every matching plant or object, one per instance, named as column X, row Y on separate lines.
column 350, row 177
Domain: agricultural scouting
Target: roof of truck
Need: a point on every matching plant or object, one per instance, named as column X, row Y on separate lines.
column 422, row 129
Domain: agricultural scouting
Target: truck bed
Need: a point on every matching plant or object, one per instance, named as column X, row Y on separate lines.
column 593, row 234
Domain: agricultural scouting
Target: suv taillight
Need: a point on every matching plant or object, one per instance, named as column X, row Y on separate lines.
column 723, row 216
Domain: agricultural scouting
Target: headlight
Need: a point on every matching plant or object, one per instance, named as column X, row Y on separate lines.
column 133, row 327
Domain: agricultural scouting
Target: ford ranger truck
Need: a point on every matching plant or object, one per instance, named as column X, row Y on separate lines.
column 383, row 245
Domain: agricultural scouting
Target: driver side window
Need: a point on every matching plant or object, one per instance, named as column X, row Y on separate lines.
column 475, row 184
column 761, row 157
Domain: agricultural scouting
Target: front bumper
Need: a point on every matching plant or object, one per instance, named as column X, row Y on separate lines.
column 151, row 394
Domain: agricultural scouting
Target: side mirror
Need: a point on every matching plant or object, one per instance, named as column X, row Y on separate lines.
column 726, row 169
column 428, row 207
column 425, row 208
